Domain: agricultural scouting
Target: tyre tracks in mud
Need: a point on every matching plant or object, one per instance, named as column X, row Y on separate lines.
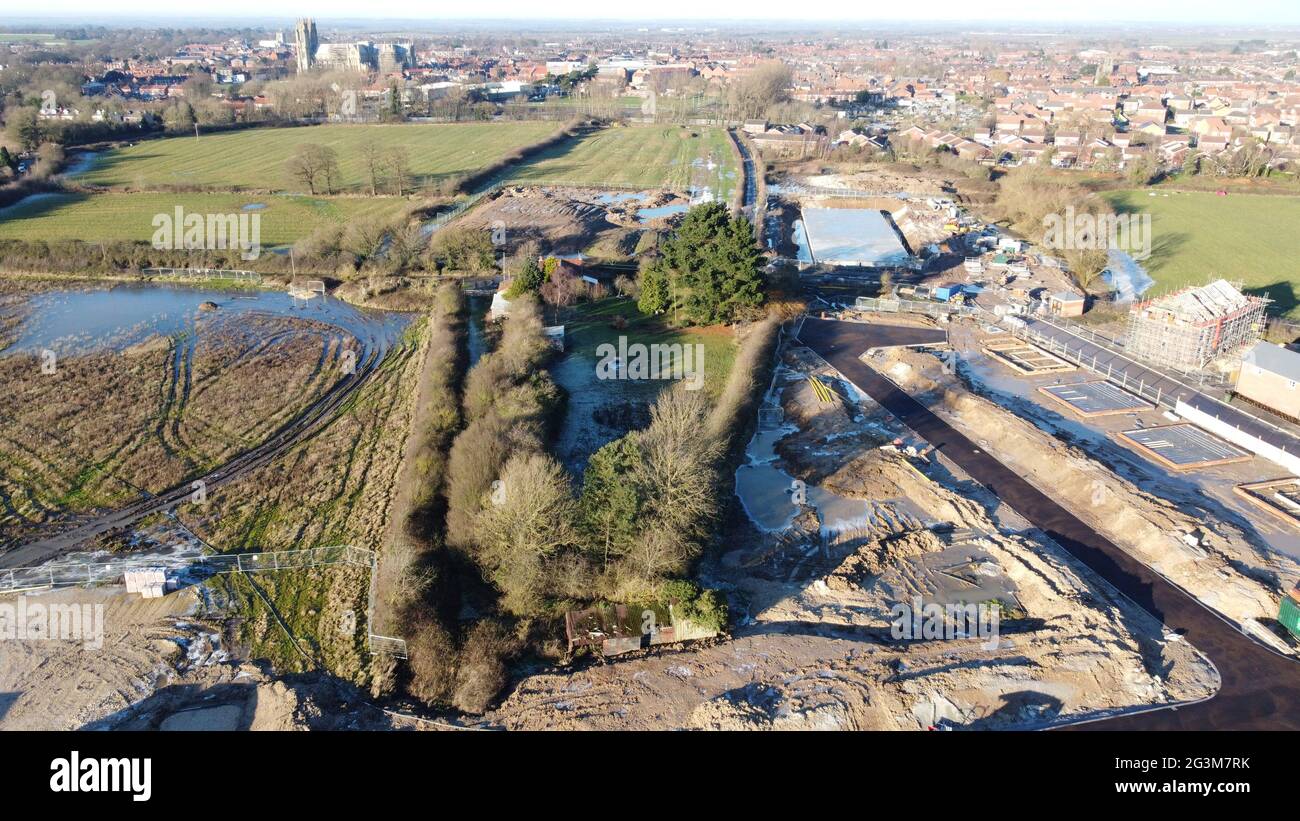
column 72, row 533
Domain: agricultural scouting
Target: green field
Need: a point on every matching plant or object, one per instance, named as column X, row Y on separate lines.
column 640, row 156
column 113, row 216
column 1242, row 237
column 255, row 159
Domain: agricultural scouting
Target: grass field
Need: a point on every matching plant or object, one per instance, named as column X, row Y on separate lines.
column 1198, row 237
column 115, row 216
column 640, row 156
column 255, row 159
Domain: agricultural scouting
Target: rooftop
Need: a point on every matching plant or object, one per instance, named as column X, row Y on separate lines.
column 1274, row 359
column 1207, row 303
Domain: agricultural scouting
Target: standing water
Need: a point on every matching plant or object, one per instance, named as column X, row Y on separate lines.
column 80, row 320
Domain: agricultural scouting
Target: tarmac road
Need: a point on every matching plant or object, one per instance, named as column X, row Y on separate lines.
column 69, row 536
column 1260, row 688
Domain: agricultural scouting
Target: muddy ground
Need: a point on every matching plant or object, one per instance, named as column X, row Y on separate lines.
column 567, row 221
column 1191, row 527
column 886, row 178
column 163, row 664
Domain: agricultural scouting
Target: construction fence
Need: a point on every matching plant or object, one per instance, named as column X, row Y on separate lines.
column 195, row 569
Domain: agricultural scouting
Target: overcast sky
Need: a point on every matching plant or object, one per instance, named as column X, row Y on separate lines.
column 990, row 13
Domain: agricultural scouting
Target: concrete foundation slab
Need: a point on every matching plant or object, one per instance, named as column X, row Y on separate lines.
column 1280, row 497
column 1182, row 447
column 1025, row 358
column 1101, row 398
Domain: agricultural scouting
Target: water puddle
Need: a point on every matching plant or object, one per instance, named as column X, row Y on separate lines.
column 767, row 493
column 623, row 196
column 801, row 242
column 645, row 215
column 82, row 320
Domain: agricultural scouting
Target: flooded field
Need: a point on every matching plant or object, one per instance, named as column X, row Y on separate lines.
column 600, row 410
column 86, row 320
column 120, row 392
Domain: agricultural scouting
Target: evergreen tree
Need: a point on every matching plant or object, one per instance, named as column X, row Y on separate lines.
column 610, row 501
column 528, row 280
column 652, row 297
column 708, row 271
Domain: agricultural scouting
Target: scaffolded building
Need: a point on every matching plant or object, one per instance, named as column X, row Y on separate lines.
column 1188, row 329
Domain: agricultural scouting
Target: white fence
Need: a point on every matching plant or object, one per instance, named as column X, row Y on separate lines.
column 1226, row 430
column 207, row 273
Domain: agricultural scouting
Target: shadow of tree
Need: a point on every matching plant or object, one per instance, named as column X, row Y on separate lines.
column 1283, row 293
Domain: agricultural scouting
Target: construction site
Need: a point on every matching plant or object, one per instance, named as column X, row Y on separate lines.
column 1191, row 328
column 844, row 515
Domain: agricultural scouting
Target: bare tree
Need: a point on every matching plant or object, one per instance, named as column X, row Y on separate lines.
column 676, row 475
column 765, row 85
column 313, row 165
column 528, row 521
column 399, row 167
column 372, row 158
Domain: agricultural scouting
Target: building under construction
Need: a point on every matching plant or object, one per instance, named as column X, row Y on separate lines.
column 1188, row 329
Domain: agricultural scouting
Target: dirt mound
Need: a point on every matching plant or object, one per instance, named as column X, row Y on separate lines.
column 885, row 474
column 725, row 714
column 879, row 555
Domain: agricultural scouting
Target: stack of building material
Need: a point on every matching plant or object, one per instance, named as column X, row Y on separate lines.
column 150, row 584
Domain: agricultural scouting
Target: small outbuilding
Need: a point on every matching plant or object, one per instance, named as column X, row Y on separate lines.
column 1268, row 377
column 1066, row 303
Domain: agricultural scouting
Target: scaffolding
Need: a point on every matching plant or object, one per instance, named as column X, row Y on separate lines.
column 1190, row 328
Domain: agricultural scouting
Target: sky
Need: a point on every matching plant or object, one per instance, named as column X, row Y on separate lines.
column 989, row 13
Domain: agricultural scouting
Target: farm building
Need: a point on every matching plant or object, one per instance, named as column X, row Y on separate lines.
column 1269, row 375
column 1188, row 329
column 853, row 237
